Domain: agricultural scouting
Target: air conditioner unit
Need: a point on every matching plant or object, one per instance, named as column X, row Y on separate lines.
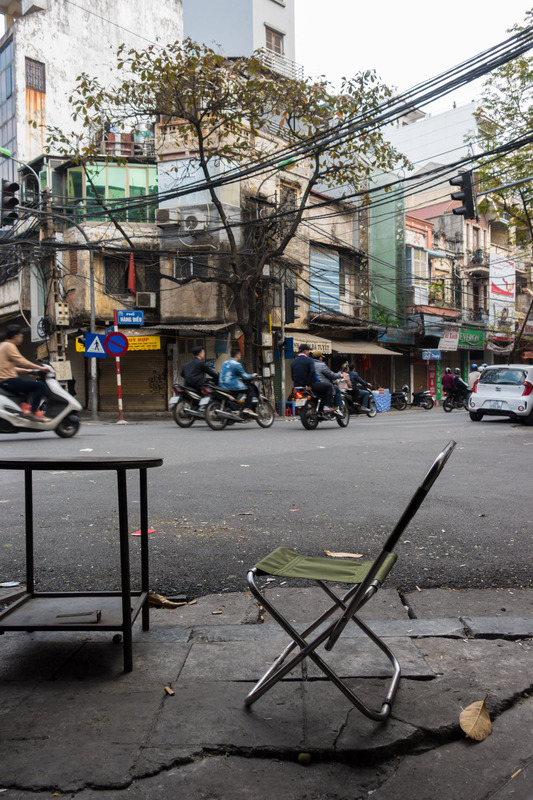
column 194, row 222
column 146, row 299
column 167, row 216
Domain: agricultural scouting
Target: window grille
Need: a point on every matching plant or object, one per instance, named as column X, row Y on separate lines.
column 35, row 75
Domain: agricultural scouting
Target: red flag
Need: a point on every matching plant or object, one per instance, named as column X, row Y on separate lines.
column 131, row 276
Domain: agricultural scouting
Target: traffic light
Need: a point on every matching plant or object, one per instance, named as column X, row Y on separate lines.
column 9, row 203
column 289, row 306
column 468, row 210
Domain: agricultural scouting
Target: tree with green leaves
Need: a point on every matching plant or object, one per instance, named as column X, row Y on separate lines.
column 239, row 113
column 505, row 114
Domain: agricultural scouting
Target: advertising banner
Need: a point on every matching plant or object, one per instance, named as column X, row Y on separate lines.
column 450, row 339
column 472, row 338
column 502, row 294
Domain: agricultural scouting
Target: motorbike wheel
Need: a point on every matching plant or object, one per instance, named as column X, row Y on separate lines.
column 265, row 414
column 476, row 416
column 427, row 403
column 309, row 417
column 67, row 428
column 181, row 416
column 448, row 405
column 215, row 423
column 399, row 404
column 373, row 408
column 343, row 421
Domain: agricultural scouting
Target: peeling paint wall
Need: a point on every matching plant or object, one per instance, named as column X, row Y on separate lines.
column 69, row 40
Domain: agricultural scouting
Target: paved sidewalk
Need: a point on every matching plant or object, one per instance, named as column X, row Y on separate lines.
column 74, row 725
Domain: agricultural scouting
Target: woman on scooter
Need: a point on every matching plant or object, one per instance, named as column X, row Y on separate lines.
column 11, row 363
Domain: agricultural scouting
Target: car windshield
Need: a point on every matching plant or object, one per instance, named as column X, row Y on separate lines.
column 503, row 377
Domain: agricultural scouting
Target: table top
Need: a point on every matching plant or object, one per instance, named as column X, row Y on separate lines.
column 81, row 463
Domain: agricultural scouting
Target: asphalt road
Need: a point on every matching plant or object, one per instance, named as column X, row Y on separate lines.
column 222, row 500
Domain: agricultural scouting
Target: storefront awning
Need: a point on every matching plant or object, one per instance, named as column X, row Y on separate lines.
column 314, row 342
column 191, row 328
column 349, row 347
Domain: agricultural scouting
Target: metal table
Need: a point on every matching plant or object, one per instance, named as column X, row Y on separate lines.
column 82, row 611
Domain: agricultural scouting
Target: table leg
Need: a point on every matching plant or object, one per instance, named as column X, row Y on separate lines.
column 125, row 569
column 28, row 516
column 145, row 575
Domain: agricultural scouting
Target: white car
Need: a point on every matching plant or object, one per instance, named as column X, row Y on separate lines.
column 505, row 391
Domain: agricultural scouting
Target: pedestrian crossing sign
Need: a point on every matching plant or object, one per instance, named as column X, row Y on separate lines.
column 94, row 345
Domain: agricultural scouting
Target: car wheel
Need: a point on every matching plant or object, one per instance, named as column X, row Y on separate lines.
column 529, row 419
column 476, row 416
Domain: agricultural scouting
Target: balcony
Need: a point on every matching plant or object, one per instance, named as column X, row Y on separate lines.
column 124, row 144
column 479, row 316
column 282, row 65
column 477, row 257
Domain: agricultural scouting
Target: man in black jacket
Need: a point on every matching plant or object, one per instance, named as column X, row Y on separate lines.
column 303, row 373
column 195, row 370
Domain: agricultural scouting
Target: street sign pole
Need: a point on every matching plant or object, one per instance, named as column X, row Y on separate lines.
column 121, row 420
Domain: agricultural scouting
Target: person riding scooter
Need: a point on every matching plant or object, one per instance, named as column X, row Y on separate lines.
column 360, row 389
column 461, row 389
column 194, row 372
column 326, row 376
column 11, row 363
column 231, row 377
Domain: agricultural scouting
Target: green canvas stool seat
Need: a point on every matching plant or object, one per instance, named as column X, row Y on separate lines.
column 364, row 578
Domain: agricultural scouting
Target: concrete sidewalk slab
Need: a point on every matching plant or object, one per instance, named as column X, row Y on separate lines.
column 304, row 604
column 499, row 627
column 470, row 602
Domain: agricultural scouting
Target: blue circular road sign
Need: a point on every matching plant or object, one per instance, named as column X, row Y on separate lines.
column 115, row 344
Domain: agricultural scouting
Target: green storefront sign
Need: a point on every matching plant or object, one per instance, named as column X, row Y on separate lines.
column 471, row 338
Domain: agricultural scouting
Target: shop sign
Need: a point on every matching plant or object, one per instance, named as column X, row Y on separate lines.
column 432, row 378
column 397, row 336
column 450, row 339
column 144, row 343
column 472, row 338
column 431, row 355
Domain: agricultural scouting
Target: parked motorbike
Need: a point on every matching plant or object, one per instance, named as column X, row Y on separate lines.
column 355, row 408
column 226, row 407
column 400, row 400
column 452, row 402
column 311, row 410
column 188, row 404
column 58, row 405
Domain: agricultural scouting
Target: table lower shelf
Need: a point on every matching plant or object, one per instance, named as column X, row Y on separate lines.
column 39, row 612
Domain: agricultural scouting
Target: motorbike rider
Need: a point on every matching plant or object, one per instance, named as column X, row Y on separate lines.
column 194, row 372
column 448, row 382
column 326, row 376
column 303, row 371
column 232, row 376
column 461, row 388
column 360, row 389
column 11, row 363
column 474, row 376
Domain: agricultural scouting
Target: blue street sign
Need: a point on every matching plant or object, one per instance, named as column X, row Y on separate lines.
column 94, row 345
column 431, row 355
column 130, row 317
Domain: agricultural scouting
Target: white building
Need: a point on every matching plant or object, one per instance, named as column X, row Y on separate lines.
column 48, row 43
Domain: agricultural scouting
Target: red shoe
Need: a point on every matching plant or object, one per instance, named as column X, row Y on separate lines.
column 41, row 415
column 26, row 409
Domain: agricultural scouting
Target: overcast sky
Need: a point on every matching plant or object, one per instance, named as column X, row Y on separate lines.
column 405, row 41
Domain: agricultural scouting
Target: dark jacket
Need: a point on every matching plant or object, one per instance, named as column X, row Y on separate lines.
column 194, row 372
column 448, row 381
column 357, row 380
column 303, row 371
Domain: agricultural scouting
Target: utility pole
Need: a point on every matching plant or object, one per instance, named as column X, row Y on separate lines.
column 57, row 311
column 282, row 350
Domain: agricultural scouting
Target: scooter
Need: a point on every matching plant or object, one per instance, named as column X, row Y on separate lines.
column 226, row 408
column 188, row 404
column 400, row 400
column 311, row 410
column 452, row 402
column 356, row 408
column 59, row 406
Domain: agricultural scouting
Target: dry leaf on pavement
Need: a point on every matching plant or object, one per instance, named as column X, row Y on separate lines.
column 475, row 720
column 343, row 555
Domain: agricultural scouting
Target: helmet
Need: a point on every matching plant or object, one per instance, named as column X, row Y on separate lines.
column 483, row 366
column 474, row 366
column 448, row 370
column 457, row 371
column 317, row 354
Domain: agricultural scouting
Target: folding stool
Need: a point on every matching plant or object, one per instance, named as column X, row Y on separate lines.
column 366, row 578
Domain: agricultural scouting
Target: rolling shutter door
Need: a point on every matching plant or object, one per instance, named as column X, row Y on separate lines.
column 144, row 381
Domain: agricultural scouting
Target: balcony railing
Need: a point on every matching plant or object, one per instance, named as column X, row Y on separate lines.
column 282, row 65
column 477, row 257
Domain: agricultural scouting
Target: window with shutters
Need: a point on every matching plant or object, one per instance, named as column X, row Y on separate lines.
column 274, row 41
